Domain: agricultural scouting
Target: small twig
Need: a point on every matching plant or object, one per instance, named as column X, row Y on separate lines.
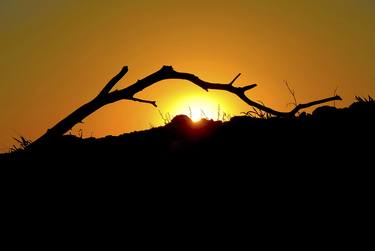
column 235, row 78
column 203, row 114
column 108, row 87
column 292, row 92
column 248, row 87
column 335, row 94
column 306, row 105
column 166, row 118
column 144, row 101
column 218, row 112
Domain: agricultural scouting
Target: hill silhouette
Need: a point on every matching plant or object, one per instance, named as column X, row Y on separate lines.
column 328, row 137
column 313, row 167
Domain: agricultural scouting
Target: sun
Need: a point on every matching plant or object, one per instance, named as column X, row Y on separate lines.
column 194, row 114
column 197, row 108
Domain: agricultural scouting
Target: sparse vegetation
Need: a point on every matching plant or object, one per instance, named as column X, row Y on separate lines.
column 222, row 115
column 257, row 113
column 293, row 94
column 22, row 142
column 367, row 99
column 167, row 117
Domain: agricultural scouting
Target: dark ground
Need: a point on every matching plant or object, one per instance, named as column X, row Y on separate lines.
column 312, row 173
column 327, row 139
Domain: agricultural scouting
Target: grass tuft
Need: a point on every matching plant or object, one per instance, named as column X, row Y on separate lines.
column 22, row 142
column 369, row 99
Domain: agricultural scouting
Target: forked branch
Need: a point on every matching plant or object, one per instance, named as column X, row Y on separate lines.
column 108, row 87
column 106, row 96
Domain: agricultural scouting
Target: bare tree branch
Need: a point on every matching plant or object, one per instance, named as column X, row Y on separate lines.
column 144, row 101
column 231, row 82
column 317, row 102
column 293, row 93
column 248, row 87
column 166, row 72
column 108, row 87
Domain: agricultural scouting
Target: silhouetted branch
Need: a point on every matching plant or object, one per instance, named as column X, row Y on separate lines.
column 304, row 106
column 144, row 101
column 108, row 87
column 231, row 82
column 106, row 96
column 293, row 93
column 248, row 87
column 167, row 72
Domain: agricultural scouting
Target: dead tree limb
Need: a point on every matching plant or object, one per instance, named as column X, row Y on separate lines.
column 108, row 87
column 106, row 96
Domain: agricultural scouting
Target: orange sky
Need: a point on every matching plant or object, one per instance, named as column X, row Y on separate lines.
column 57, row 55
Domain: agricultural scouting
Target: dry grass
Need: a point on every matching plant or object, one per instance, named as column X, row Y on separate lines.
column 23, row 143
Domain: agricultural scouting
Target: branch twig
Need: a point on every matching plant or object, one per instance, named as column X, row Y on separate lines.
column 144, row 101
column 317, row 102
column 108, row 87
column 293, row 93
column 235, row 78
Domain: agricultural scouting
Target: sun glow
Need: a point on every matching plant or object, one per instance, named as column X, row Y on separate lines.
column 198, row 108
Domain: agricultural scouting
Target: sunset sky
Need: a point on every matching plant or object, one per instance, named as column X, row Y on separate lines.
column 58, row 54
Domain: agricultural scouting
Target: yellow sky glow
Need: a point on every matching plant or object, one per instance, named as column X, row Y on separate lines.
column 198, row 107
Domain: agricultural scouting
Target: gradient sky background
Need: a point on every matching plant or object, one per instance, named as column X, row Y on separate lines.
column 57, row 55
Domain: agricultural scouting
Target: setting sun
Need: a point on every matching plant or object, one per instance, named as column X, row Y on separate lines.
column 197, row 114
column 199, row 107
